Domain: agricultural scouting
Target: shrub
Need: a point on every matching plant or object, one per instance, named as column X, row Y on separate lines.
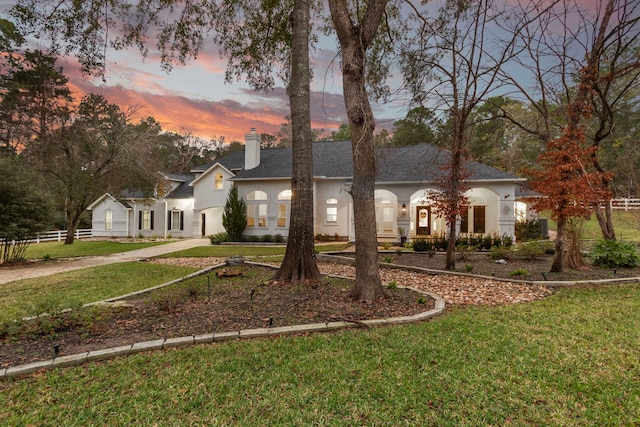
column 531, row 250
column 519, row 272
column 422, row 245
column 507, row 241
column 614, row 254
column 218, row 238
column 500, row 252
column 266, row 238
column 528, row 230
column 278, row 238
column 234, row 217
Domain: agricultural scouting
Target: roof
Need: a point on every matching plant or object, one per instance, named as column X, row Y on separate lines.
column 333, row 159
column 108, row 196
column 182, row 191
column 231, row 161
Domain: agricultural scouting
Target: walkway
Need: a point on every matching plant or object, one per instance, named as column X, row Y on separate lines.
column 52, row 267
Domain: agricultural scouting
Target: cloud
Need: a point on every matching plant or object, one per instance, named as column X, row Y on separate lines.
column 195, row 99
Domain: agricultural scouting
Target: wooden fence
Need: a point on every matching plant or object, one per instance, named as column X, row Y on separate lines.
column 60, row 235
column 625, row 204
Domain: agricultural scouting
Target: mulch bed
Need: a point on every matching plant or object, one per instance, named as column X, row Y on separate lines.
column 252, row 301
column 203, row 305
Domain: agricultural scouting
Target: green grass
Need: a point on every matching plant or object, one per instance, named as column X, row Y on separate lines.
column 625, row 224
column 248, row 250
column 83, row 248
column 30, row 297
column 569, row 360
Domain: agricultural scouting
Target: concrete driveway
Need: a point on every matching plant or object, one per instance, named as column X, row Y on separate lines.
column 52, row 267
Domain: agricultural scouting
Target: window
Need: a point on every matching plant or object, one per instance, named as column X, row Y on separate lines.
column 478, row 219
column 332, row 210
column 219, row 181
column 284, row 200
column 256, row 211
column 145, row 220
column 108, row 220
column 464, row 220
column 176, row 220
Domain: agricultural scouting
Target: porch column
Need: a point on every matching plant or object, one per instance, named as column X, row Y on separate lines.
column 403, row 220
column 507, row 217
column 196, row 231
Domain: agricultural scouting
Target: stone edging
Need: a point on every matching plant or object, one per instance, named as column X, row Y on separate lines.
column 110, row 353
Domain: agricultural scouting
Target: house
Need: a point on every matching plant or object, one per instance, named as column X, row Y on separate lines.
column 169, row 212
column 192, row 206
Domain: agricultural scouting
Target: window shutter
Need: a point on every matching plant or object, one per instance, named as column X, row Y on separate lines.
column 181, row 220
column 139, row 220
column 168, row 220
column 151, row 220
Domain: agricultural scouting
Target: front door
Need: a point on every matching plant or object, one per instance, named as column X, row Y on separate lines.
column 423, row 215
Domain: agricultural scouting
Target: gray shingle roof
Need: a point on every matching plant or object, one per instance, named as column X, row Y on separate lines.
column 182, row 191
column 231, row 161
column 332, row 159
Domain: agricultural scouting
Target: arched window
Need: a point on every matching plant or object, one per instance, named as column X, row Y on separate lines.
column 284, row 202
column 257, row 209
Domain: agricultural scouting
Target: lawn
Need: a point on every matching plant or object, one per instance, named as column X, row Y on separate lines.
column 30, row 297
column 247, row 250
column 625, row 224
column 83, row 248
column 569, row 360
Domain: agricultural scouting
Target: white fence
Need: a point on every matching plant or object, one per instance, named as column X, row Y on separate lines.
column 60, row 235
column 625, row 204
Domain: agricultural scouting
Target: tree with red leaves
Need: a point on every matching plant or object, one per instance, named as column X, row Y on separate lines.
column 570, row 189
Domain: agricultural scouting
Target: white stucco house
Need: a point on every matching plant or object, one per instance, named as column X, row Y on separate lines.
column 192, row 205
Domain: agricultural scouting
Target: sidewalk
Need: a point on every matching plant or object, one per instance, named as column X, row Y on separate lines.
column 52, row 267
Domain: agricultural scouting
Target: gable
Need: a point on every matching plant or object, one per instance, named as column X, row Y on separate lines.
column 216, row 167
column 108, row 199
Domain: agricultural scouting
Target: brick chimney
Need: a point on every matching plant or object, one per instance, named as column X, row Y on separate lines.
column 252, row 149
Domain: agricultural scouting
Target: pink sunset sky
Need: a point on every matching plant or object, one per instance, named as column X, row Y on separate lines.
column 195, row 99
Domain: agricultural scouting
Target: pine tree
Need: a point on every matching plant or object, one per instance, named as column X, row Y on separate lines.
column 234, row 217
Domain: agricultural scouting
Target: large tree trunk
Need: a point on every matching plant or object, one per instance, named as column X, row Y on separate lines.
column 368, row 285
column 300, row 260
column 574, row 258
column 72, row 223
column 354, row 40
column 557, row 266
column 605, row 221
column 450, row 263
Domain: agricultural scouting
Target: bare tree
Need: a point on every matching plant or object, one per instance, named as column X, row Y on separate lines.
column 557, row 48
column 452, row 60
column 573, row 57
column 299, row 262
column 356, row 30
column 255, row 37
